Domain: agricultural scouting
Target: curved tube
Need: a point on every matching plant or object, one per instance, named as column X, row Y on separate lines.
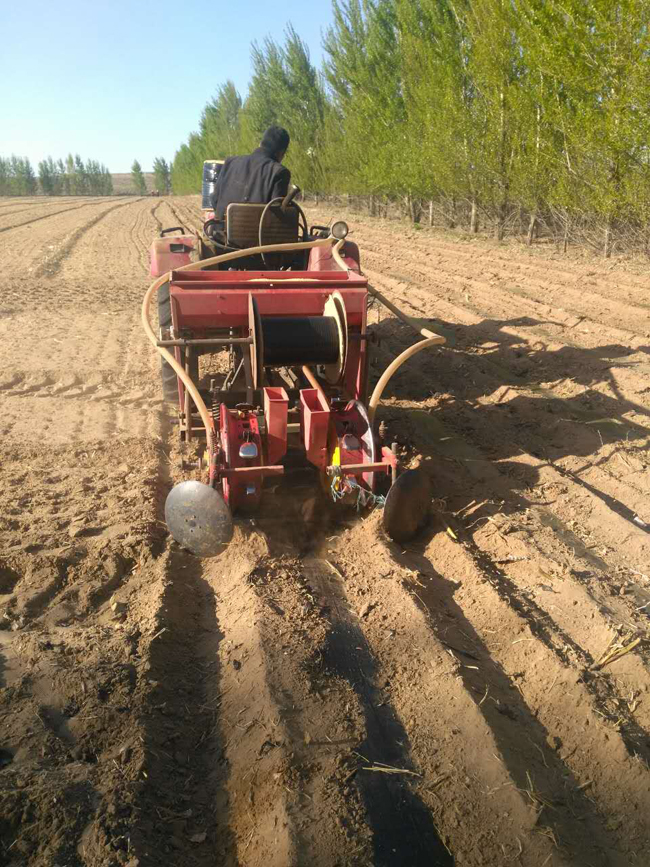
column 407, row 320
column 309, row 376
column 392, row 368
column 337, row 256
column 432, row 339
column 206, row 417
column 171, row 360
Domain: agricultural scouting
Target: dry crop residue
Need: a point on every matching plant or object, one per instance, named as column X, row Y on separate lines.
column 317, row 694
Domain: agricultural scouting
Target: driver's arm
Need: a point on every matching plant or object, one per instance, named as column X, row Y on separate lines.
column 281, row 184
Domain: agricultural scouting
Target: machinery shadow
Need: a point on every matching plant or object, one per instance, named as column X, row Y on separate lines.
column 485, row 356
column 492, row 389
column 186, row 767
column 523, row 741
column 404, row 834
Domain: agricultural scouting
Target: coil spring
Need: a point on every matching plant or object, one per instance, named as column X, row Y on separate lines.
column 216, row 405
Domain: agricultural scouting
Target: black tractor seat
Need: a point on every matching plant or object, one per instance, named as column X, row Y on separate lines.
column 242, row 231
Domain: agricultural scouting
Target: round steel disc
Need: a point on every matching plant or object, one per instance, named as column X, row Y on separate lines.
column 407, row 505
column 198, row 518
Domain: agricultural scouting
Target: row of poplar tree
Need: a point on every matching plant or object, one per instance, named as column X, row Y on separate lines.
column 475, row 109
column 161, row 177
column 69, row 177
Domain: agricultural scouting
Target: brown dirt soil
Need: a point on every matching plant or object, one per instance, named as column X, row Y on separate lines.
column 319, row 695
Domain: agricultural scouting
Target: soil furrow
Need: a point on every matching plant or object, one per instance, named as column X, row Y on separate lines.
column 512, row 258
column 51, row 214
column 52, row 263
column 317, row 694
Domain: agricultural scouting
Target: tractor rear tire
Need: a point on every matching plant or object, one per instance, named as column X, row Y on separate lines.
column 167, row 372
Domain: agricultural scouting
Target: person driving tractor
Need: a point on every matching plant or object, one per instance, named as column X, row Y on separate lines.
column 256, row 178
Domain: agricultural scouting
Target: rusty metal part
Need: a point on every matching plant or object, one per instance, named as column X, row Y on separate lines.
column 252, row 472
column 408, row 504
column 374, row 467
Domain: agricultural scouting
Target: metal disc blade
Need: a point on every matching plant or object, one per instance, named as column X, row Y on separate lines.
column 198, row 518
column 407, row 505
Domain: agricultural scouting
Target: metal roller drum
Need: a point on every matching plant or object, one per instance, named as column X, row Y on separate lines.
column 300, row 340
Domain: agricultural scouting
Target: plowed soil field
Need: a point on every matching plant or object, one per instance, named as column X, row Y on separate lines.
column 319, row 695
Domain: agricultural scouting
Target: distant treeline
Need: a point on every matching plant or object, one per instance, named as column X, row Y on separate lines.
column 507, row 112
column 69, row 177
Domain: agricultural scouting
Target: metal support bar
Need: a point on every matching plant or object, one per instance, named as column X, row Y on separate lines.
column 407, row 320
column 250, row 390
column 231, row 378
column 378, row 467
column 207, row 341
column 243, row 472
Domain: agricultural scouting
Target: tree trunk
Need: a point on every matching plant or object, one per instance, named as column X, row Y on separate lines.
column 532, row 229
column 430, row 212
column 452, row 214
column 473, row 220
column 607, row 252
column 567, row 228
column 501, row 221
column 414, row 209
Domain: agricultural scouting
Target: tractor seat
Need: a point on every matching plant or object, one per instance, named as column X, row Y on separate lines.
column 243, row 225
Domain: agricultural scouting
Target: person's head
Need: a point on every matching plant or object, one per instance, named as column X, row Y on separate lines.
column 275, row 142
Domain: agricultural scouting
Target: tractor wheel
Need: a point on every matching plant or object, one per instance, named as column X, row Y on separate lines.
column 167, row 374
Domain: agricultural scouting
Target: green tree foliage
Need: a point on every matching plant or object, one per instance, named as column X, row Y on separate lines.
column 17, row 177
column 594, row 60
column 364, row 69
column 220, row 123
column 138, row 178
column 4, row 177
column 57, row 178
column 162, row 175
column 492, row 106
column 285, row 89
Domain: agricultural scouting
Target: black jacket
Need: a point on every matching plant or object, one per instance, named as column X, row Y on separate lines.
column 256, row 177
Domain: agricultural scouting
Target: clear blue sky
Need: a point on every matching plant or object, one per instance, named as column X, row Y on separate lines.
column 117, row 81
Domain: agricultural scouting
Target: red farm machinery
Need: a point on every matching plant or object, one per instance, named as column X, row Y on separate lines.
column 286, row 305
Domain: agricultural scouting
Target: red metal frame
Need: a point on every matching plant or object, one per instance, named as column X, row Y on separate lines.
column 207, row 302
column 204, row 301
column 276, row 407
column 314, row 425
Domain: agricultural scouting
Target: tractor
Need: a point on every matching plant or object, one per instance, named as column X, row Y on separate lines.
column 286, row 305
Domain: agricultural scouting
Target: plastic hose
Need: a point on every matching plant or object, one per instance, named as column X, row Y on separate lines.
column 309, row 376
column 392, row 368
column 432, row 339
